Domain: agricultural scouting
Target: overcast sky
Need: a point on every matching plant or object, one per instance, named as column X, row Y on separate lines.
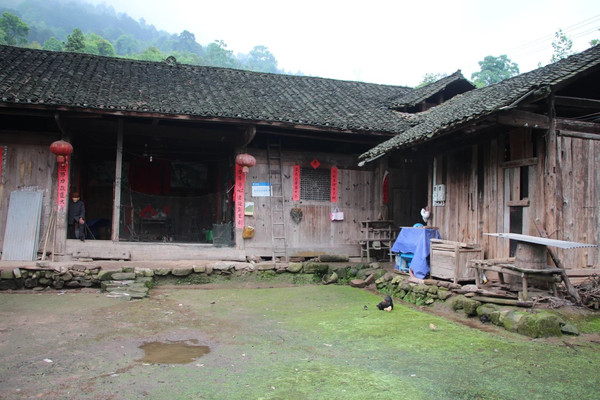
column 389, row 42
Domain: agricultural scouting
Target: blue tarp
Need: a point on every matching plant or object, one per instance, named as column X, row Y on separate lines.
column 416, row 241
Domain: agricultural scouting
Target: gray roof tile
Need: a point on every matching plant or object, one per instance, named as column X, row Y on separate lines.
column 482, row 102
column 86, row 81
column 423, row 93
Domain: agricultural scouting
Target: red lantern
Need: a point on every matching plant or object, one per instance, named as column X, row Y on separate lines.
column 246, row 161
column 62, row 150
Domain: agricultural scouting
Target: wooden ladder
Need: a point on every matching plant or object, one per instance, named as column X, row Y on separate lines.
column 278, row 239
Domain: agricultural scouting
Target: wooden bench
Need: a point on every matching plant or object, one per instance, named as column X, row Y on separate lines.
column 552, row 275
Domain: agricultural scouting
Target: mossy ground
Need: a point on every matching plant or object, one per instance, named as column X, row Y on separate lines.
column 302, row 342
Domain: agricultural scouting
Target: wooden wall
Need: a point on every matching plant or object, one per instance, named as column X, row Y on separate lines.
column 359, row 197
column 456, row 220
column 26, row 165
column 484, row 186
column 579, row 164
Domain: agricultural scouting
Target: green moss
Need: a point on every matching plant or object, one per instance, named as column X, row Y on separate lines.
column 304, row 342
column 192, row 279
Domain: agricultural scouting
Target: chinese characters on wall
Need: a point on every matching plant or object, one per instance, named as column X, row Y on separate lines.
column 334, row 184
column 240, row 183
column 62, row 191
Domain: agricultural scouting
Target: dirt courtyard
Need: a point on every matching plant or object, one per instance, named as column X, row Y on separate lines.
column 298, row 342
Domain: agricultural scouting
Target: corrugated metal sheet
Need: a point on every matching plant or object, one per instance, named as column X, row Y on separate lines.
column 563, row 244
column 21, row 235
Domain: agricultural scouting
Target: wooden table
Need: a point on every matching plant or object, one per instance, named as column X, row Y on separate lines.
column 530, row 260
column 552, row 275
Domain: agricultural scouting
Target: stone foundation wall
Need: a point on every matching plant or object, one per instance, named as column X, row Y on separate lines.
column 134, row 283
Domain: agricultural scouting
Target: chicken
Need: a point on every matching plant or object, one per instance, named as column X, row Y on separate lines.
column 425, row 214
column 387, row 304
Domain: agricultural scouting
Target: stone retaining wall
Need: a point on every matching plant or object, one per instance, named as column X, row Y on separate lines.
column 134, row 283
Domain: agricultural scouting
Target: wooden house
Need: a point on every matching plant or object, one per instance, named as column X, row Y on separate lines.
column 502, row 157
column 155, row 149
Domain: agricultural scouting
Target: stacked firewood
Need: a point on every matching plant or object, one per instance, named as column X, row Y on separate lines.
column 589, row 290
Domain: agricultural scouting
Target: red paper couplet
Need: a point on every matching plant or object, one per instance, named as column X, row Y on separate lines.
column 296, row 184
column 238, row 198
column 334, row 184
column 62, row 191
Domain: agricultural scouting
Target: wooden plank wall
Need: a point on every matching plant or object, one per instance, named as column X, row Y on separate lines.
column 27, row 165
column 579, row 161
column 457, row 220
column 359, row 197
column 575, row 181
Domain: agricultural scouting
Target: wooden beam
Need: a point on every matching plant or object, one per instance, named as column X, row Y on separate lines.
column 116, row 217
column 526, row 162
column 523, row 119
column 518, row 203
column 577, row 126
column 580, row 135
column 509, row 302
column 577, row 102
column 519, row 118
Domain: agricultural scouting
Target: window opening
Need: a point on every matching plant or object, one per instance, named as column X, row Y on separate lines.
column 315, row 184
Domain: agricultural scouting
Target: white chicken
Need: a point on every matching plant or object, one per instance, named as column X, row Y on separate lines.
column 425, row 214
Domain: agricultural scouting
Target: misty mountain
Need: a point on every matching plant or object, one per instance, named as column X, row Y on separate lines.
column 107, row 32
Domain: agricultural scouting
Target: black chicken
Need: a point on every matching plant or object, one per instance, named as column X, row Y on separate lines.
column 387, row 304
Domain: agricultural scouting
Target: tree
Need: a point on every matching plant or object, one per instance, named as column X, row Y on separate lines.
column 562, row 46
column 430, row 78
column 96, row 44
column 260, row 59
column 52, row 44
column 127, row 44
column 594, row 42
column 105, row 48
column 150, row 54
column 75, row 41
column 217, row 55
column 493, row 70
column 13, row 31
column 186, row 42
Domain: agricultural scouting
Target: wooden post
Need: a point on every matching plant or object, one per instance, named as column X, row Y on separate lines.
column 61, row 225
column 117, row 185
column 553, row 160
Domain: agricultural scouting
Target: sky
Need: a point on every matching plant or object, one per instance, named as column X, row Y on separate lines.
column 394, row 42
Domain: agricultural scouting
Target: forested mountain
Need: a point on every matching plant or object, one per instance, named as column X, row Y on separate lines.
column 73, row 25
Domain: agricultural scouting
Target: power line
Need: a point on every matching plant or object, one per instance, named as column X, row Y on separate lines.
column 548, row 38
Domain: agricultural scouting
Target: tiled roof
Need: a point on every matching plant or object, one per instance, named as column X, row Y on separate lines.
column 480, row 103
column 83, row 81
column 423, row 93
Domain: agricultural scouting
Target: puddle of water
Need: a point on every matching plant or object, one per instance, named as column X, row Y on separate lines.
column 179, row 352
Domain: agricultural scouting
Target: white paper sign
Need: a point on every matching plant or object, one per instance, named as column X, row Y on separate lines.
column 261, row 189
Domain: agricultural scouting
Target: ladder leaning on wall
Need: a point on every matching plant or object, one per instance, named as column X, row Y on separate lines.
column 278, row 239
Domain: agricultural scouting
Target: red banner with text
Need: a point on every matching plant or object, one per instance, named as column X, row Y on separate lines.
column 296, row 184
column 334, row 184
column 62, row 192
column 238, row 198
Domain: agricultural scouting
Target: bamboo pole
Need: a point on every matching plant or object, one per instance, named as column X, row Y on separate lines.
column 53, row 242
column 48, row 228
